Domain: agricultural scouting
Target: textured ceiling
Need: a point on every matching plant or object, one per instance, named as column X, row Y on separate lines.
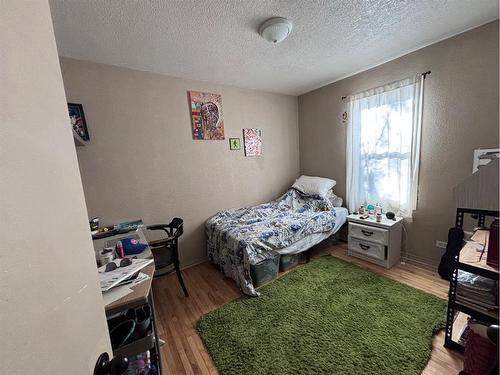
column 217, row 41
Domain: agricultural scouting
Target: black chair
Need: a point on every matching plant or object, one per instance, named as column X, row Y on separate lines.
column 166, row 252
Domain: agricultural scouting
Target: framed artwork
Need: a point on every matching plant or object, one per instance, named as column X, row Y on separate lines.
column 234, row 144
column 253, row 142
column 206, row 115
column 78, row 122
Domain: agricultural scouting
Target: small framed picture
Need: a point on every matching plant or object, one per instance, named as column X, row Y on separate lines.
column 234, row 144
column 77, row 119
column 253, row 142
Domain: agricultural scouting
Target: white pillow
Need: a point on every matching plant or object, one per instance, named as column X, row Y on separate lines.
column 314, row 185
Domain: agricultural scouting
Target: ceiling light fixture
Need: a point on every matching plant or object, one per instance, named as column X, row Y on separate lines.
column 275, row 29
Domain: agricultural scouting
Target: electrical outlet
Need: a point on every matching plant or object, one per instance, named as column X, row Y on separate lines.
column 441, row 244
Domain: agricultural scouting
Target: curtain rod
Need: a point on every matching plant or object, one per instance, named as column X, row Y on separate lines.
column 424, row 74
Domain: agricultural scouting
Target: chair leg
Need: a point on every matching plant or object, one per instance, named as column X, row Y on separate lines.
column 179, row 276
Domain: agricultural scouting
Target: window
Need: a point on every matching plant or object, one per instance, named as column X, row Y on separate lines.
column 383, row 146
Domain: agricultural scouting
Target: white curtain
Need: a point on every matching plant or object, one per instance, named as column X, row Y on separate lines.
column 383, row 146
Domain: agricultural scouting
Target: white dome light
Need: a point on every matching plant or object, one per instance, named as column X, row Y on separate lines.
column 275, row 30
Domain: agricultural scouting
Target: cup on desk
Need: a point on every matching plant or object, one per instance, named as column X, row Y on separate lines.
column 106, row 255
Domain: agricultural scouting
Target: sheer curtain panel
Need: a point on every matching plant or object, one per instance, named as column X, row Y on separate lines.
column 383, row 146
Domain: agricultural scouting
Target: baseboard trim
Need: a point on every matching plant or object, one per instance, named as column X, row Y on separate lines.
column 194, row 263
column 420, row 262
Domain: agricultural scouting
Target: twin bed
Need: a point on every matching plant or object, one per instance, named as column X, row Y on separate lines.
column 298, row 220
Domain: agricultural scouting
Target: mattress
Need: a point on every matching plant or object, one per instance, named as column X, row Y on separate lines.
column 238, row 238
column 313, row 239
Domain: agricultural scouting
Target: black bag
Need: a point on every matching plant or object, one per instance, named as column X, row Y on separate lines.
column 453, row 247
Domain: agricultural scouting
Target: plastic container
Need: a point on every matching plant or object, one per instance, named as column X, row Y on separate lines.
column 106, row 255
column 119, row 249
column 265, row 271
column 288, row 261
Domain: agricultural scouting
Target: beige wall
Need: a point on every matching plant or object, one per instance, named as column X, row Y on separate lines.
column 51, row 312
column 143, row 163
column 460, row 114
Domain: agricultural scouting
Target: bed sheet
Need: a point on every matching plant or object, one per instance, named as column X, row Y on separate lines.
column 237, row 238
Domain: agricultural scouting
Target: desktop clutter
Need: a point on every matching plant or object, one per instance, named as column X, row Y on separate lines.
column 376, row 211
column 122, row 258
column 112, row 230
column 122, row 248
column 119, row 247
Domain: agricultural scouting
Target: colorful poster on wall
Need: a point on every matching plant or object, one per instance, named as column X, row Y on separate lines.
column 253, row 142
column 206, row 115
column 77, row 119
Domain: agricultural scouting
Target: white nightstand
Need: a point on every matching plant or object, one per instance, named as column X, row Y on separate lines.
column 378, row 243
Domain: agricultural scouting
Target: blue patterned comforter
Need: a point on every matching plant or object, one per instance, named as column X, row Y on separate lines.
column 237, row 238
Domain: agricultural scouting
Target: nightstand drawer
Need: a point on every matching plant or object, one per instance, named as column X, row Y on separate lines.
column 367, row 248
column 372, row 234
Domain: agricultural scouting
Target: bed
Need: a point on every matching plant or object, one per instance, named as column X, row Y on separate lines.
column 293, row 223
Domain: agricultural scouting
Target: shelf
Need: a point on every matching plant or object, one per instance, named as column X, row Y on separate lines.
column 486, row 317
column 470, row 260
column 475, row 211
column 137, row 347
column 459, row 324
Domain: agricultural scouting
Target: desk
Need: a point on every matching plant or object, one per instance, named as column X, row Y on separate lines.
column 142, row 294
column 138, row 297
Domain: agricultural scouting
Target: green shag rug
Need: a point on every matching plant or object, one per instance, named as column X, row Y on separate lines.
column 327, row 317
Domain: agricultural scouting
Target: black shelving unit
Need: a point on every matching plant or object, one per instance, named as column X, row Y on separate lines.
column 150, row 342
column 142, row 294
column 469, row 308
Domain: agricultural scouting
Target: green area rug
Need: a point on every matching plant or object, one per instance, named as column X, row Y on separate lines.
column 327, row 317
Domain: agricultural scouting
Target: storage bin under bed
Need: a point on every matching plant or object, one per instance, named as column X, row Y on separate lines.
column 265, row 271
column 288, row 261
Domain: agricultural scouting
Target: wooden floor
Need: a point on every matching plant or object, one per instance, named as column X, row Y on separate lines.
column 184, row 352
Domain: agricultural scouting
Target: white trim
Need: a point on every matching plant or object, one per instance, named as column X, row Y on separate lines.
column 420, row 261
column 194, row 263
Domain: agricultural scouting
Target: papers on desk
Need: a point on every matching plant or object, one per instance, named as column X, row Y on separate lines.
column 120, row 291
column 110, row 279
column 134, row 281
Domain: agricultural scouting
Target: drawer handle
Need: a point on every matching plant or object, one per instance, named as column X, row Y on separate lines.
column 366, row 232
column 364, row 247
